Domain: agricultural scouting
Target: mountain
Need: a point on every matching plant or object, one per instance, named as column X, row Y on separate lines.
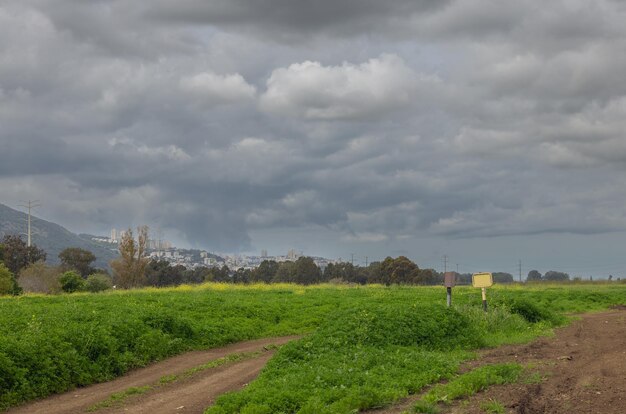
column 53, row 238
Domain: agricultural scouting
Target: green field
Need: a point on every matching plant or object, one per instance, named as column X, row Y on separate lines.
column 368, row 346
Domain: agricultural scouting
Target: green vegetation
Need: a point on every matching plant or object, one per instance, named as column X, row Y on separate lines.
column 470, row 383
column 492, row 407
column 118, row 398
column 368, row 345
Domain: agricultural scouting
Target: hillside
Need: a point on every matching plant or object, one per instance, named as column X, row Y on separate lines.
column 51, row 237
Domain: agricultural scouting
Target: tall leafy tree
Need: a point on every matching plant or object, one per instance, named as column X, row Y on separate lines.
column 78, row 259
column 265, row 272
column 16, row 254
column 533, row 276
column 129, row 270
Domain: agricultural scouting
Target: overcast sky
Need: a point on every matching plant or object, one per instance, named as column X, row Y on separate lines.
column 490, row 131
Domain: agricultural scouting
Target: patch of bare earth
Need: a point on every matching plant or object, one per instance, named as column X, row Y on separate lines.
column 190, row 395
column 581, row 370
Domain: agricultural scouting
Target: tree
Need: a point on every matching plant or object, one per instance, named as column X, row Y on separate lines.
column 398, row 270
column 71, row 282
column 306, row 271
column 286, row 272
column 16, row 255
column 77, row 259
column 98, row 282
column 533, row 276
column 502, row 277
column 242, row 275
column 265, row 272
column 6, row 280
column 555, row 276
column 40, row 278
column 129, row 270
column 428, row 277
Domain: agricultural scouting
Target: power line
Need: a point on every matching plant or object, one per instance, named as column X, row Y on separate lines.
column 30, row 204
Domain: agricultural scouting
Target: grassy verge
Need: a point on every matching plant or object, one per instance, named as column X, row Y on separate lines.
column 468, row 384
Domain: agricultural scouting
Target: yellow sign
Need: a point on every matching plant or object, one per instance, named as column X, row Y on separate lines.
column 482, row 280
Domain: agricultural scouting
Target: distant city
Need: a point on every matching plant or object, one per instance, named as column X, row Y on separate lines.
column 159, row 249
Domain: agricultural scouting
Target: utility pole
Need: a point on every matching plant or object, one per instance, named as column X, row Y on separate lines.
column 445, row 263
column 520, row 270
column 352, row 258
column 30, row 204
column 365, row 261
column 457, row 268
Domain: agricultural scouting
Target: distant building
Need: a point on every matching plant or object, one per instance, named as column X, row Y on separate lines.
column 263, row 253
column 113, row 235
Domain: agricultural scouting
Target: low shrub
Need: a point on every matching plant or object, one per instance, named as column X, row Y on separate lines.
column 71, row 282
column 98, row 282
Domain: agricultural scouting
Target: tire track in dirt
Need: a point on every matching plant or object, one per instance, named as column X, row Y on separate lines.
column 583, row 368
column 225, row 378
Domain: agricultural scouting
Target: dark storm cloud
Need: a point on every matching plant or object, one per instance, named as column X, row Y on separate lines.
column 376, row 121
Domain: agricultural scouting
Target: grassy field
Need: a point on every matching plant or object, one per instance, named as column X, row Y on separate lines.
column 367, row 347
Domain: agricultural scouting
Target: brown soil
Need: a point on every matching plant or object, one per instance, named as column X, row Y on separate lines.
column 191, row 395
column 581, row 370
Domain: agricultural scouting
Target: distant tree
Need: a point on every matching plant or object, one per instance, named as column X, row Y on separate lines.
column 77, row 259
column 162, row 273
column 40, row 278
column 71, row 282
column 220, row 274
column 7, row 280
column 428, row 277
column 129, row 270
column 610, row 277
column 400, row 270
column 16, row 254
column 286, row 272
column 502, row 277
column 196, row 275
column 306, row 271
column 265, row 272
column 242, row 275
column 555, row 276
column 342, row 271
column 533, row 276
column 98, row 282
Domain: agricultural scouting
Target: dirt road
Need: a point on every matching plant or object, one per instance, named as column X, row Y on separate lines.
column 581, row 370
column 190, row 395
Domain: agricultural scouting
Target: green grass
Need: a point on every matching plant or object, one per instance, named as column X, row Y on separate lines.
column 473, row 381
column 50, row 344
column 492, row 407
column 118, row 398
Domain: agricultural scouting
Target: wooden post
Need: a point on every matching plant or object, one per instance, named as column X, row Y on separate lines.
column 449, row 290
column 484, row 291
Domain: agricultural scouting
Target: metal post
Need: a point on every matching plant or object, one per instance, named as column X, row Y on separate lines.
column 449, row 290
column 484, row 291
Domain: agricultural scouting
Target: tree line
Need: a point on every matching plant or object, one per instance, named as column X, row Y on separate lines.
column 22, row 268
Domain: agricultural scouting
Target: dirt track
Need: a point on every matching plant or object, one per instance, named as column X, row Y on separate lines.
column 191, row 395
column 583, row 370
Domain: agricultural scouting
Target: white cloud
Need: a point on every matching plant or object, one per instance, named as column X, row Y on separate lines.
column 212, row 88
column 312, row 91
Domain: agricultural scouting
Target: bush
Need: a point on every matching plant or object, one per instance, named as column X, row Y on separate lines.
column 98, row 282
column 40, row 278
column 534, row 313
column 6, row 280
column 71, row 282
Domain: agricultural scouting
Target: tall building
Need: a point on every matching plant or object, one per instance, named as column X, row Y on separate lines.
column 113, row 235
column 263, row 253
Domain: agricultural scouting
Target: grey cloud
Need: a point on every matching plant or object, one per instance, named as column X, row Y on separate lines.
column 374, row 121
